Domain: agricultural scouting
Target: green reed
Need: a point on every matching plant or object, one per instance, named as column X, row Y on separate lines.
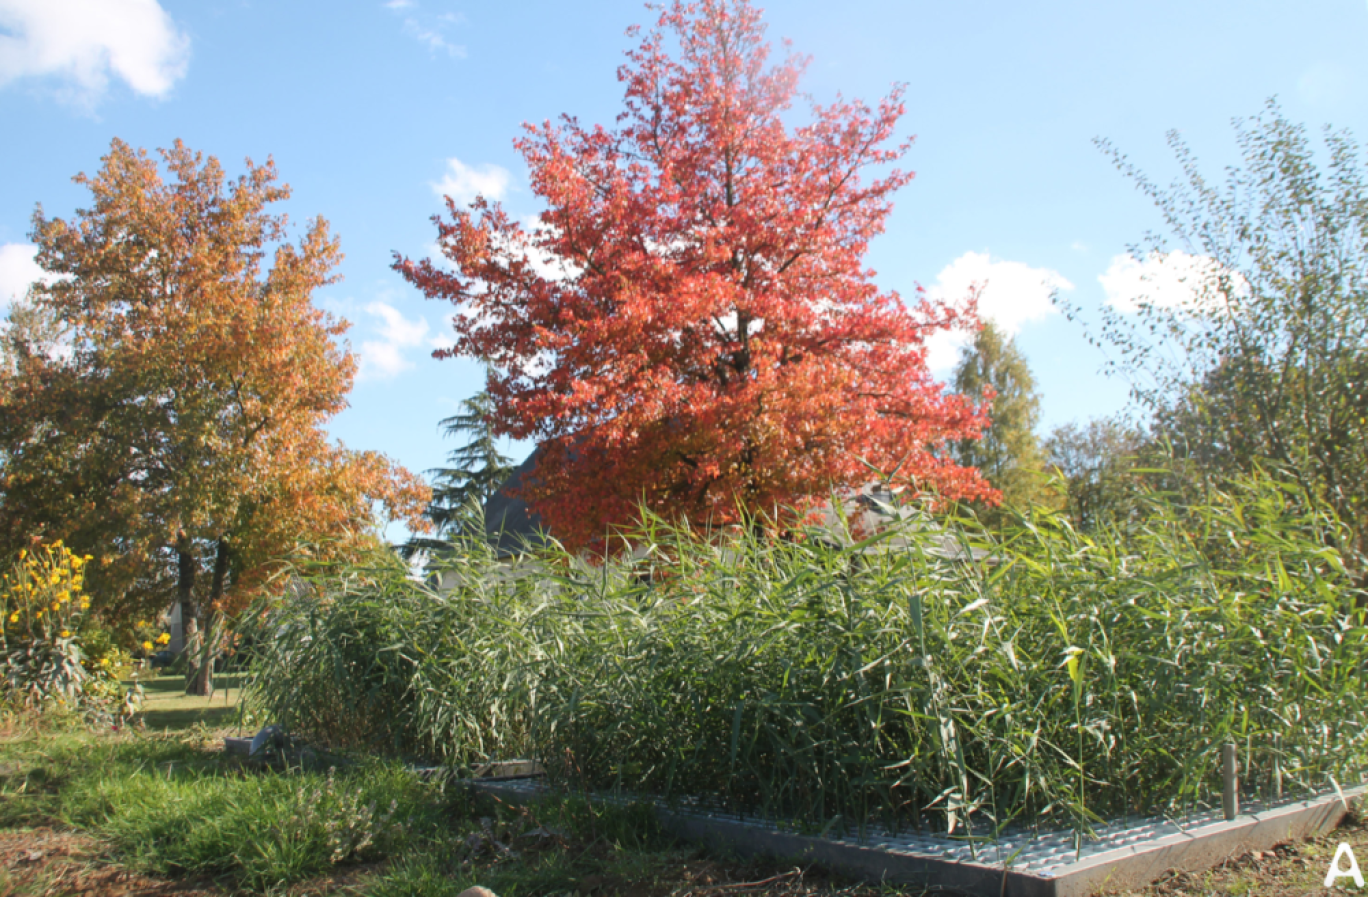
column 1058, row 679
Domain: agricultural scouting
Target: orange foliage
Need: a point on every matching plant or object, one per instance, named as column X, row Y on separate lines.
column 187, row 409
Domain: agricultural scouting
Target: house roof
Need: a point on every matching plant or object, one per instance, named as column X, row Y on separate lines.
column 510, row 525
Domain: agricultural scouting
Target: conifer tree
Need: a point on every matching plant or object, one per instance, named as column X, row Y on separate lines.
column 477, row 468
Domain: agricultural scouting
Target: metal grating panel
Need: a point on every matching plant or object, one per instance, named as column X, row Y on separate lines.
column 1021, row 863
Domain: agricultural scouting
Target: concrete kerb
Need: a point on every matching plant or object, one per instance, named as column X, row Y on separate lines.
column 1135, row 863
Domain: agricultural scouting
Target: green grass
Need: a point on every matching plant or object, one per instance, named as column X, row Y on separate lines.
column 163, row 808
column 167, row 808
column 170, row 809
column 166, row 706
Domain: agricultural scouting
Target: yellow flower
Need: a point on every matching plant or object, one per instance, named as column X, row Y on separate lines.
column 14, row 617
column 147, row 646
column 54, row 579
column 64, row 595
column 140, row 624
column 56, row 605
column 39, row 615
column 164, row 638
column 23, row 553
column 89, row 557
column 104, row 661
column 66, row 633
column 76, row 562
column 85, row 604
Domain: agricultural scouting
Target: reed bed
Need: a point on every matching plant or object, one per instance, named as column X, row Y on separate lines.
column 1037, row 675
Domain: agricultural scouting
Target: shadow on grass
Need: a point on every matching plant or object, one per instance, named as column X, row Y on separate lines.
column 167, row 706
column 213, row 717
column 174, row 686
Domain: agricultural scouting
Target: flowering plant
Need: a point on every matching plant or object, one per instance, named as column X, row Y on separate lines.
column 150, row 636
column 43, row 607
column 41, row 596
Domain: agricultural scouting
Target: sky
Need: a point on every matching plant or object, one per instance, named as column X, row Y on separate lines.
column 374, row 110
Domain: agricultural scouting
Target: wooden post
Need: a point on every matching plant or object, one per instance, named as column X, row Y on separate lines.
column 1230, row 782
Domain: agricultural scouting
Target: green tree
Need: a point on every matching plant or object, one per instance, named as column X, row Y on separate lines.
column 1263, row 361
column 1008, row 455
column 1096, row 461
column 477, row 468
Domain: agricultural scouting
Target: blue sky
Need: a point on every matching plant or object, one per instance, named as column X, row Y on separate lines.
column 372, row 109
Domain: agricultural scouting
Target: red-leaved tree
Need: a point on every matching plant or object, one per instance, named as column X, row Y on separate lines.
column 690, row 324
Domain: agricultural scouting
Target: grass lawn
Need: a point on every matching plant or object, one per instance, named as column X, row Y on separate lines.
column 175, row 816
column 166, row 706
column 166, row 812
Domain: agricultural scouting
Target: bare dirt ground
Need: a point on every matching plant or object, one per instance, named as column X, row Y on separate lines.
column 47, row 863
column 1289, row 870
column 51, row 863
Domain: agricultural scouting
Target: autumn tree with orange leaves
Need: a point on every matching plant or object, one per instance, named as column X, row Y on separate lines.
column 177, row 434
column 691, row 324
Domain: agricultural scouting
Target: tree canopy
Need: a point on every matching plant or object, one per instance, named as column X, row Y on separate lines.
column 1098, row 460
column 691, row 324
column 477, row 468
column 1263, row 361
column 992, row 369
column 178, row 435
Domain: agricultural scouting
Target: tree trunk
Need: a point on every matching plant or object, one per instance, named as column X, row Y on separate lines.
column 186, row 568
column 199, row 678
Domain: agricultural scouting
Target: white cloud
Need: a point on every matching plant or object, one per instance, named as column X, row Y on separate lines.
column 433, row 39
column 444, row 340
column 82, row 43
column 17, row 271
column 548, row 266
column 386, row 358
column 429, row 30
column 1011, row 295
column 1163, row 280
column 464, row 182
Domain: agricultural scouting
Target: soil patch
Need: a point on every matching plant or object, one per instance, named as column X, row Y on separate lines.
column 48, row 862
column 1288, row 870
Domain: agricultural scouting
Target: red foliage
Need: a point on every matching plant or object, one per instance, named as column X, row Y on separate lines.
column 691, row 323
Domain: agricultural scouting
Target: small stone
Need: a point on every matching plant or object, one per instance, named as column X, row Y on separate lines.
column 477, row 891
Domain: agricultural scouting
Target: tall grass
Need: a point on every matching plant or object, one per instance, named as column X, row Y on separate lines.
column 1065, row 678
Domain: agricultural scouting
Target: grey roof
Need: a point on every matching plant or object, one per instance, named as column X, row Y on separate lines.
column 510, row 525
